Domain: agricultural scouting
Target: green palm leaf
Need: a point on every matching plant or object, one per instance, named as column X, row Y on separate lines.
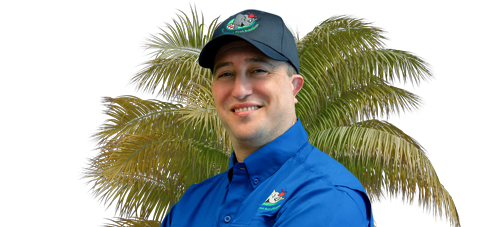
column 388, row 161
column 133, row 222
column 175, row 57
column 146, row 172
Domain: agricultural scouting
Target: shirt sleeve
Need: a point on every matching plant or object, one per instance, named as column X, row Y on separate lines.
column 166, row 220
column 339, row 206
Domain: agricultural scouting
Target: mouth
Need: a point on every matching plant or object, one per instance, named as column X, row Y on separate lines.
column 246, row 109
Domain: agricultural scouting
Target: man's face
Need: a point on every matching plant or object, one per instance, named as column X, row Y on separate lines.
column 253, row 94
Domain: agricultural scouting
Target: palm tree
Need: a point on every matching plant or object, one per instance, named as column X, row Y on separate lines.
column 151, row 151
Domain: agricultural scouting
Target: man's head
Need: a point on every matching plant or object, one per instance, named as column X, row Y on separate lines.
column 267, row 32
column 254, row 87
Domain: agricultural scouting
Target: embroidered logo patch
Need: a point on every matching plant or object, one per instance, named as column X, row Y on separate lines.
column 241, row 23
column 272, row 202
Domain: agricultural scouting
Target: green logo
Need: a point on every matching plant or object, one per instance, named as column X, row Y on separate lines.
column 242, row 23
column 273, row 200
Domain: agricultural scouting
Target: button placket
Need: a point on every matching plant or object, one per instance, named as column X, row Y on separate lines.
column 240, row 185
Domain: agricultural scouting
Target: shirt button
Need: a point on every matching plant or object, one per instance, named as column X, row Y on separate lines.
column 256, row 181
column 227, row 219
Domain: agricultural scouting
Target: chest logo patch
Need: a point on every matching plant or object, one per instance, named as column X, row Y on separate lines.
column 273, row 201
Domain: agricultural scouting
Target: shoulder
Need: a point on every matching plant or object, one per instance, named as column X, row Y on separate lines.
column 326, row 207
column 327, row 193
column 327, row 169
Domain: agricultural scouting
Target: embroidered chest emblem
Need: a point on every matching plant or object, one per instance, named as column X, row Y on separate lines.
column 273, row 201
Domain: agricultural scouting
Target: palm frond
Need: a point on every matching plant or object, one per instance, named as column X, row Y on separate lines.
column 397, row 66
column 175, row 51
column 344, row 54
column 133, row 222
column 132, row 115
column 386, row 160
column 146, row 175
column 366, row 102
column 199, row 111
column 167, row 77
column 149, row 157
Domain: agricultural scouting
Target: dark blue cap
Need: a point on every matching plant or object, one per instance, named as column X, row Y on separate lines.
column 266, row 31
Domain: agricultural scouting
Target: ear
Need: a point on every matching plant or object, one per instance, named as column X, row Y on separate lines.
column 297, row 82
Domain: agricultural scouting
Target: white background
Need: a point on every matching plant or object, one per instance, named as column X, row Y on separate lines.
column 59, row 58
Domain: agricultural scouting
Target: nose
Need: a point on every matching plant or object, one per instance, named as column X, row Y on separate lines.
column 242, row 88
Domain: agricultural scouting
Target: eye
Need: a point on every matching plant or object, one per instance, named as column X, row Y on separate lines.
column 224, row 74
column 259, row 71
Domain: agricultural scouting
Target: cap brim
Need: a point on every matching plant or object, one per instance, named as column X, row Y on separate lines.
column 207, row 54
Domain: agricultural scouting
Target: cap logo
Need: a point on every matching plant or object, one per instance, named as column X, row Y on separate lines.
column 242, row 23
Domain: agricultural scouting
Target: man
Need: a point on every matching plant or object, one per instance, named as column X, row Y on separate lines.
column 275, row 177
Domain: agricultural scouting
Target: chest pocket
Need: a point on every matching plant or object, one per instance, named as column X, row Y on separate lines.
column 260, row 214
column 266, row 215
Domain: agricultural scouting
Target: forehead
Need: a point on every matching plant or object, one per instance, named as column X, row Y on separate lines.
column 236, row 47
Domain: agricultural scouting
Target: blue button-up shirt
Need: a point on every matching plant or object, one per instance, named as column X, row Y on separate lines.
column 287, row 182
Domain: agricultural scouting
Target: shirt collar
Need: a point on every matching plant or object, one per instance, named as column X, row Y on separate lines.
column 268, row 159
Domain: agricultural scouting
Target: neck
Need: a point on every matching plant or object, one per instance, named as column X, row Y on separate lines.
column 244, row 148
column 242, row 151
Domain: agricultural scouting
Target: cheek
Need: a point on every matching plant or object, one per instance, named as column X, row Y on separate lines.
column 277, row 92
column 215, row 94
column 219, row 93
column 263, row 91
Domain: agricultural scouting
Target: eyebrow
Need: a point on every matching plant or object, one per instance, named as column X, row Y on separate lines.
column 220, row 65
column 261, row 60
column 248, row 60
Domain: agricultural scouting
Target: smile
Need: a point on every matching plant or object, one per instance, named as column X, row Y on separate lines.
column 246, row 109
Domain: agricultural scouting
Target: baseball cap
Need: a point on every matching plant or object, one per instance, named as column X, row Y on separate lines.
column 266, row 31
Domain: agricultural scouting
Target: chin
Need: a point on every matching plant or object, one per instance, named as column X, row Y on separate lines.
column 245, row 135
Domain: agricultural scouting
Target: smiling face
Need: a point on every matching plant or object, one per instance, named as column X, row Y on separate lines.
column 254, row 96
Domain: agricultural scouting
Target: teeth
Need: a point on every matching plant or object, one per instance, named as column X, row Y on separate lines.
column 246, row 109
